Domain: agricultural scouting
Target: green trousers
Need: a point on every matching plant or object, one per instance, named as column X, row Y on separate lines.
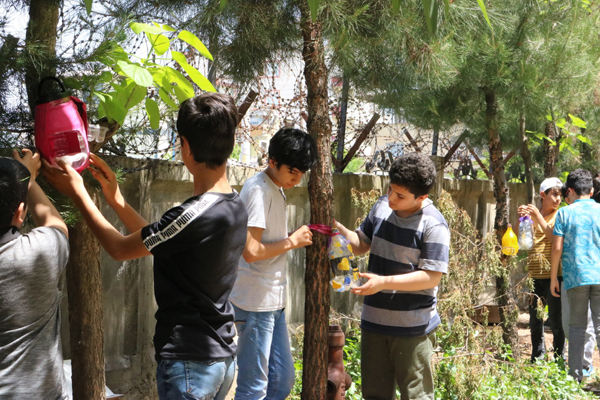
column 390, row 360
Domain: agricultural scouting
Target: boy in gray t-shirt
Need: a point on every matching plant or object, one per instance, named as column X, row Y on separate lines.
column 31, row 265
column 265, row 364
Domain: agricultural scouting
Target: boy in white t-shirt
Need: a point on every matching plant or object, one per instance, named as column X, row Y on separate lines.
column 265, row 364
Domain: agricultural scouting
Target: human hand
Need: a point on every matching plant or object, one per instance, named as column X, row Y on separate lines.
column 534, row 213
column 301, row 237
column 30, row 160
column 372, row 286
column 554, row 287
column 107, row 178
column 64, row 179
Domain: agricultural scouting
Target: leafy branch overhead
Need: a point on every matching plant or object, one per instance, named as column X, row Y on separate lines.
column 128, row 87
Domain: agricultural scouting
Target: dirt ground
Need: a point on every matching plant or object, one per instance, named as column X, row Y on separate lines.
column 525, row 340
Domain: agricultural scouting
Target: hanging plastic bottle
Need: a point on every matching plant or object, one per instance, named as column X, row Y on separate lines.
column 343, row 263
column 525, row 233
column 510, row 243
column 61, row 127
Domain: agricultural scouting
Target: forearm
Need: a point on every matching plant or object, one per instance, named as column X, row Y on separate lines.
column 42, row 210
column 358, row 246
column 412, row 281
column 110, row 239
column 132, row 220
column 257, row 251
column 555, row 256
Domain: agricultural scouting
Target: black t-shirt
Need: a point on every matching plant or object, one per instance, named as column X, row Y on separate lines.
column 196, row 248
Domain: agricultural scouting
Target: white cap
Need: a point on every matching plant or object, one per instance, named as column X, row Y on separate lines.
column 549, row 183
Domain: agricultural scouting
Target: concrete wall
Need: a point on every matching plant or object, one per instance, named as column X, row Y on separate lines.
column 129, row 304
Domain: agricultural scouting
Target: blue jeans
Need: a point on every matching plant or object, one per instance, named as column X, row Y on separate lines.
column 265, row 363
column 195, row 380
column 581, row 299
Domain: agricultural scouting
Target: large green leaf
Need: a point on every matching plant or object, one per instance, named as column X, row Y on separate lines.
column 167, row 99
column 181, row 81
column 578, row 122
column 139, row 27
column 222, row 5
column 153, row 113
column 160, row 43
column 134, row 95
column 484, row 11
column 193, row 73
column 584, row 139
column 72, row 83
column 396, row 6
column 181, row 95
column 113, row 107
column 140, row 75
column 193, row 40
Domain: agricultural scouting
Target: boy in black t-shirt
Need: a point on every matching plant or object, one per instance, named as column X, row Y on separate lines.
column 196, row 248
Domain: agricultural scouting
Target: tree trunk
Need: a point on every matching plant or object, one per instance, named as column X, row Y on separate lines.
column 550, row 151
column 339, row 167
column 84, row 288
column 504, row 295
column 320, row 191
column 526, row 156
column 40, row 41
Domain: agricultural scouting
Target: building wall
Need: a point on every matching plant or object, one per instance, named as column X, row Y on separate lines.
column 129, row 304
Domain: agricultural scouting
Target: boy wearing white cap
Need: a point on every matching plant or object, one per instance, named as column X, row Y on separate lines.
column 538, row 264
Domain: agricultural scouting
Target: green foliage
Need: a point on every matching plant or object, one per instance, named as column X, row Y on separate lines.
column 133, row 75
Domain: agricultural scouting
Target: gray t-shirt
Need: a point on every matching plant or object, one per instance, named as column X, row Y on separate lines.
column 31, row 360
column 261, row 285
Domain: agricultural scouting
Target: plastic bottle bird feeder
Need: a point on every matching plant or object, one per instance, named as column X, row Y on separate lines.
column 337, row 378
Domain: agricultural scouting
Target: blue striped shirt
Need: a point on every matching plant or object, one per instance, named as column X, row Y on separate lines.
column 399, row 246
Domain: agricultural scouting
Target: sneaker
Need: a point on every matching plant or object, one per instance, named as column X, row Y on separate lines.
column 587, row 372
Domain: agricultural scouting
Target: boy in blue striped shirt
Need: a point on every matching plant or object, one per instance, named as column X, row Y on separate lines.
column 409, row 242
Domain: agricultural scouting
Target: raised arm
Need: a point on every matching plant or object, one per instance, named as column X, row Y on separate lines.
column 257, row 251
column 132, row 220
column 358, row 246
column 41, row 208
column 70, row 183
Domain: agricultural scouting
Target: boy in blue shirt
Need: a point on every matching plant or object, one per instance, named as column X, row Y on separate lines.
column 409, row 242
column 576, row 241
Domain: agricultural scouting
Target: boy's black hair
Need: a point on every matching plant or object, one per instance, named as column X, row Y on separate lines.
column 14, row 186
column 563, row 190
column 415, row 172
column 596, row 184
column 208, row 123
column 580, row 181
column 294, row 148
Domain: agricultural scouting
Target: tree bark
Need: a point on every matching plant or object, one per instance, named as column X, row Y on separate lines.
column 320, row 190
column 84, row 288
column 551, row 151
column 526, row 156
column 342, row 126
column 504, row 295
column 40, row 42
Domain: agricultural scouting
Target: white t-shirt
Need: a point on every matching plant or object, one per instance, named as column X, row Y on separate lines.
column 261, row 285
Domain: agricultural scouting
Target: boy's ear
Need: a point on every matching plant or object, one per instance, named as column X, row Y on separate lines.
column 185, row 146
column 19, row 216
column 272, row 163
column 422, row 198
